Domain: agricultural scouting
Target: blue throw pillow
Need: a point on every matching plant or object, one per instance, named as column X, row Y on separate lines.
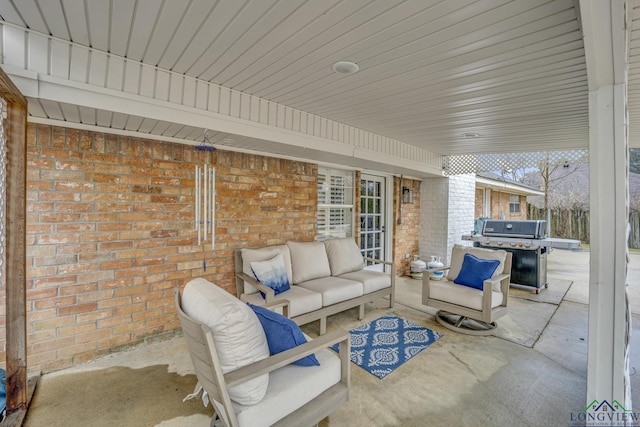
column 474, row 271
column 282, row 334
column 272, row 273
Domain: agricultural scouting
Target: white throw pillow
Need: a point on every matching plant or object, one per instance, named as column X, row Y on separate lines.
column 308, row 261
column 237, row 334
column 344, row 256
column 263, row 254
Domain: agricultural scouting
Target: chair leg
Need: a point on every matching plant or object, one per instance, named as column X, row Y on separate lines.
column 361, row 312
column 323, row 325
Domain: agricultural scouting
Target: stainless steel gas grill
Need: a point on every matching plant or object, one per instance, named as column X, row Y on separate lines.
column 525, row 239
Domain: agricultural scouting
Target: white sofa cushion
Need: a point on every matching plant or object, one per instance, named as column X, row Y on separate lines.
column 301, row 300
column 237, row 334
column 372, row 280
column 457, row 256
column 308, row 261
column 334, row 289
column 461, row 295
column 344, row 256
column 290, row 387
column 263, row 254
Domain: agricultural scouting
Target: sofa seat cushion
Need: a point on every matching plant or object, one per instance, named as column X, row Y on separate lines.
column 461, row 295
column 250, row 255
column 237, row 334
column 308, row 261
column 344, row 256
column 334, row 289
column 372, row 280
column 301, row 300
column 289, row 388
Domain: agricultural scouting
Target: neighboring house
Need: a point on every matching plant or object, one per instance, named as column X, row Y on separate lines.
column 501, row 198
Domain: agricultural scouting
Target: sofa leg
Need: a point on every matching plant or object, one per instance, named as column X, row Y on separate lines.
column 361, row 312
column 391, row 300
column 323, row 325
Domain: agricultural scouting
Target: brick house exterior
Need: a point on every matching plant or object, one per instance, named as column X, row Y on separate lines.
column 500, row 198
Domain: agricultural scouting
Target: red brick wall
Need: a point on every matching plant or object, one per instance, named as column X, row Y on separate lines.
column 500, row 202
column 406, row 238
column 110, row 234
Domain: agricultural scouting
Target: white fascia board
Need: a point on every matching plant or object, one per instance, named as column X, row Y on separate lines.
column 511, row 188
column 61, row 90
column 381, row 158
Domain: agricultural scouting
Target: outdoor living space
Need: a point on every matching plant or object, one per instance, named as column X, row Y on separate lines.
column 532, row 372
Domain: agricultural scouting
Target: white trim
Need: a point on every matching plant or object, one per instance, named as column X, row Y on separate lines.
column 512, row 188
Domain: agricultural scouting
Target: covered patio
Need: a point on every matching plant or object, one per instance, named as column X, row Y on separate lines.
column 533, row 372
column 128, row 102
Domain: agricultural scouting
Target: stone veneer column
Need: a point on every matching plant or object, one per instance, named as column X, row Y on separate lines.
column 446, row 213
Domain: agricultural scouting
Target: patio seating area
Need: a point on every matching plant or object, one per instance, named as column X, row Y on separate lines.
column 531, row 372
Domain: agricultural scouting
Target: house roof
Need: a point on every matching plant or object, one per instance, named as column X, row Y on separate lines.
column 435, row 79
column 499, row 183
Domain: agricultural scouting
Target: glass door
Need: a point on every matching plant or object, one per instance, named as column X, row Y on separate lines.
column 372, row 218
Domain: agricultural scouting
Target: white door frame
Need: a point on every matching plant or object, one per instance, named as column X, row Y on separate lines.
column 388, row 209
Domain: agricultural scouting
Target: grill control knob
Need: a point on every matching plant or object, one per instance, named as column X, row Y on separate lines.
column 513, row 244
column 519, row 244
column 527, row 244
column 499, row 243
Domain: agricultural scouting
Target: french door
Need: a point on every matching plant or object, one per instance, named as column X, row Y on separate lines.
column 373, row 195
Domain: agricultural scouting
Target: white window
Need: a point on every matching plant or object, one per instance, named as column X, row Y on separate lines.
column 335, row 203
column 514, row 203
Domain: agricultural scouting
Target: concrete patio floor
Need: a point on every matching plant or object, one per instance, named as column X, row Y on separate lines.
column 531, row 373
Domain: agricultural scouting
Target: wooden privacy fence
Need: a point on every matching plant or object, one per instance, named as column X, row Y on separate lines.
column 574, row 224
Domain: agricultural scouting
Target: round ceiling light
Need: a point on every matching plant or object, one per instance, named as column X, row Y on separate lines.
column 471, row 135
column 345, row 67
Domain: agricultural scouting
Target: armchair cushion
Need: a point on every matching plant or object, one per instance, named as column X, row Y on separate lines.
column 237, row 334
column 272, row 273
column 475, row 271
column 282, row 334
column 457, row 257
column 344, row 256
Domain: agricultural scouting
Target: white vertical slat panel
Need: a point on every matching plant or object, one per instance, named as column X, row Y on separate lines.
column 225, row 100
column 59, row 58
column 143, row 23
column 214, row 98
column 103, row 118
column 133, row 123
column 234, row 104
column 77, row 21
column 264, row 111
column 98, row 23
column 115, row 74
column 55, row 18
column 323, row 128
column 273, row 113
column 147, row 80
column 189, row 92
column 280, row 116
column 14, row 46
column 147, row 125
column 288, row 118
column 87, row 115
column 70, row 112
column 303, row 121
column 245, row 106
column 162, row 85
column 340, row 132
column 173, row 129
column 184, row 131
column 316, row 125
column 97, row 68
column 31, row 15
column 38, row 53
column 202, row 94
column 254, row 114
column 132, row 73
column 118, row 120
column 52, row 109
column 295, row 121
column 175, row 88
column 78, row 69
column 160, row 127
column 35, row 109
column 121, row 20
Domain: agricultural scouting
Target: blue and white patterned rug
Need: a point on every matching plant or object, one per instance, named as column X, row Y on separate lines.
column 385, row 344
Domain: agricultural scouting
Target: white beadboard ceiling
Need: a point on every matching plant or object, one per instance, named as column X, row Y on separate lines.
column 430, row 71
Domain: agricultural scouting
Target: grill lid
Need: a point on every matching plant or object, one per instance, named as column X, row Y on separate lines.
column 530, row 229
